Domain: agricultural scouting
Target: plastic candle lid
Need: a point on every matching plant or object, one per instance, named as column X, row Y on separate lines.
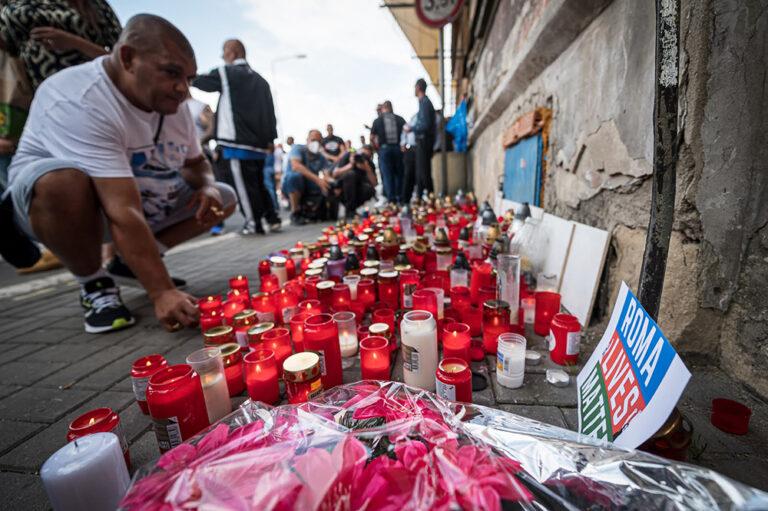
column 532, row 358
column 301, row 367
column 278, row 260
column 325, row 284
column 378, row 328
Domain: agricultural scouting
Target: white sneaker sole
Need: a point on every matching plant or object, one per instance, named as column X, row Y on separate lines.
column 111, row 328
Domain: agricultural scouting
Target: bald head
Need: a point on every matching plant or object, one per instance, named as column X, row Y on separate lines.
column 233, row 50
column 147, row 32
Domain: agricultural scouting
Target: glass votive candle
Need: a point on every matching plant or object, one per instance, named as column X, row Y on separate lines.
column 495, row 322
column 386, row 316
column 261, row 378
column 374, row 358
column 141, row 371
column 459, row 277
column 240, row 283
column 366, row 292
column 460, row 297
column 325, row 294
column 99, row 420
column 297, row 330
column 473, row 316
column 409, row 282
column 444, row 258
column 481, row 276
column 358, row 309
column 345, row 322
column 310, row 285
column 278, row 340
column 219, row 335
column 453, row 380
column 322, row 336
column 235, row 295
column 341, row 298
column 264, row 306
column 209, row 365
column 311, row 307
column 547, row 305
column 211, row 320
column 389, row 291
column 546, row 282
column 255, row 333
column 439, row 300
column 287, row 303
column 277, row 267
column 456, row 341
column 232, row 357
column 176, row 405
column 508, row 281
column 529, row 309
column 425, row 300
column 269, row 283
column 301, row 372
column 241, row 323
column 510, row 360
column 231, row 309
column 351, row 281
column 210, row 304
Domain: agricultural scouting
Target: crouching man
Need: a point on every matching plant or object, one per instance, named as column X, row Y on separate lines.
column 107, row 148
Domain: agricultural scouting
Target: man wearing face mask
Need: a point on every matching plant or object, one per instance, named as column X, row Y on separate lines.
column 302, row 181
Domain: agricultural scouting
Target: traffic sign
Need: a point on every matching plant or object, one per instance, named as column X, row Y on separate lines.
column 437, row 13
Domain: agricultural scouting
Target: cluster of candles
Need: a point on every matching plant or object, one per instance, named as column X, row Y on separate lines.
column 356, row 291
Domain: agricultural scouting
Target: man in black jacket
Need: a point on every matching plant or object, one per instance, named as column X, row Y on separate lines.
column 425, row 129
column 245, row 129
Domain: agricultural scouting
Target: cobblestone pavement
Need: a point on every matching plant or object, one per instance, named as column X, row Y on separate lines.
column 51, row 371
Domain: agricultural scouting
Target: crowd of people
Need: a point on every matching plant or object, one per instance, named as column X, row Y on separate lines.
column 117, row 163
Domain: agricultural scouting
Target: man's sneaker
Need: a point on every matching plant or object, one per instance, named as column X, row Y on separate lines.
column 217, row 230
column 120, row 271
column 275, row 226
column 104, row 310
column 297, row 219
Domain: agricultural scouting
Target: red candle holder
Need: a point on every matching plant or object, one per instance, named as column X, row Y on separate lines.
column 547, row 305
column 409, row 282
column 386, row 316
column 310, row 286
column 99, row 420
column 454, row 380
column 358, row 308
column 302, row 377
column 296, row 286
column 433, row 279
column 389, row 291
column 263, row 268
column 141, row 371
column 362, row 332
column 210, row 321
column 486, row 293
column 210, row 305
column 495, row 323
column 325, row 294
column 269, row 283
column 219, row 335
column 232, row 308
column 256, row 332
column 565, row 337
column 241, row 323
column 287, row 303
column 311, row 307
column 278, row 340
column 264, row 306
column 232, row 357
column 341, row 298
column 322, row 336
column 374, row 358
column 460, row 297
column 176, row 405
column 456, row 341
column 261, row 376
column 240, row 283
column 297, row 330
column 366, row 292
column 425, row 300
column 481, row 276
column 236, row 295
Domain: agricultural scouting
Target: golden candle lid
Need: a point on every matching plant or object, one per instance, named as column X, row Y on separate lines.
column 495, row 304
column 301, row 367
column 453, row 365
column 402, row 267
column 368, row 231
column 390, row 237
column 493, row 233
column 260, row 328
column 311, row 246
column 296, row 251
column 419, row 247
column 363, row 237
column 312, row 272
column 388, row 274
column 443, row 250
column 441, row 237
column 245, row 314
column 218, row 331
column 230, row 352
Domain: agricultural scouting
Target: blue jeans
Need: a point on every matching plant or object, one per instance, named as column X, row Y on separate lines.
column 269, row 182
column 391, row 167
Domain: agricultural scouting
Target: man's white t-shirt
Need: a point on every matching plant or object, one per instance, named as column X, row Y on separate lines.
column 79, row 115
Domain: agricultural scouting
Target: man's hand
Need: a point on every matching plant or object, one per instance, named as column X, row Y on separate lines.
column 7, row 146
column 323, row 184
column 54, row 38
column 209, row 205
column 175, row 309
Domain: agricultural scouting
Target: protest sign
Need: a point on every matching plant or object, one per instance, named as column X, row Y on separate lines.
column 633, row 379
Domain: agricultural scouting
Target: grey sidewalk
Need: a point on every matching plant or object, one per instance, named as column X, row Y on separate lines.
column 51, row 371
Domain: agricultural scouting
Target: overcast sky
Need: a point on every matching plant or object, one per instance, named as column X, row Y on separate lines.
column 356, row 55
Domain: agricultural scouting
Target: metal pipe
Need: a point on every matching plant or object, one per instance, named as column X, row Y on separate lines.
column 665, row 155
column 443, row 154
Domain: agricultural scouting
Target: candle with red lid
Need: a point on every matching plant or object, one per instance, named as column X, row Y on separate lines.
column 453, row 380
column 297, row 330
column 256, row 332
column 322, row 336
column 456, row 341
column 495, row 323
column 264, row 306
column 341, row 298
column 261, row 376
column 176, row 405
column 141, row 371
column 232, row 308
column 374, row 358
column 240, row 283
column 99, row 420
column 481, row 276
column 278, row 340
column 233, row 368
column 241, row 323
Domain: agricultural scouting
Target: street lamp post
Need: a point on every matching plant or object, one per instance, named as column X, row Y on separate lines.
column 297, row 56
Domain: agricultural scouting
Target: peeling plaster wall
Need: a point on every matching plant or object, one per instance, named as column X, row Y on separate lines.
column 600, row 89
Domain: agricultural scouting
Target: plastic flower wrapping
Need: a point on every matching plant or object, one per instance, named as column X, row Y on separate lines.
column 383, row 445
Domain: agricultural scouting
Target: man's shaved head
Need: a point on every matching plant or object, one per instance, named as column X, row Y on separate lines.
column 233, row 50
column 152, row 64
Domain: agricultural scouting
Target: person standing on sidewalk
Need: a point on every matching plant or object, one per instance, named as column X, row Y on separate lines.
column 425, row 130
column 246, row 128
column 408, row 148
column 385, row 135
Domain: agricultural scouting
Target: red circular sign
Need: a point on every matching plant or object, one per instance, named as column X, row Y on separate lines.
column 437, row 13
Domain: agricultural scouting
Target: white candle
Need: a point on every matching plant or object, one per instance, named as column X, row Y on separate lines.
column 208, row 363
column 419, row 339
column 348, row 344
column 351, row 281
column 277, row 268
column 510, row 360
column 87, row 473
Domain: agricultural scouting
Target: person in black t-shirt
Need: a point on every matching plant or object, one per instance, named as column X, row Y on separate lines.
column 355, row 175
column 333, row 146
column 385, row 135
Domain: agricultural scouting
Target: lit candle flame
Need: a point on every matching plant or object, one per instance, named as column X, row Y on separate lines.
column 92, row 421
column 149, row 363
column 239, row 277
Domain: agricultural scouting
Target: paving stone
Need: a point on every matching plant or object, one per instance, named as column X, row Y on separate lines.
column 31, row 454
column 536, row 391
column 35, row 404
column 44, row 335
column 13, row 432
column 750, row 470
column 80, row 370
column 11, row 352
column 546, row 363
column 123, row 385
column 63, row 353
column 571, row 418
column 27, row 373
column 103, row 340
column 7, row 390
column 111, row 373
column 144, row 451
column 546, row 414
column 133, row 421
column 22, row 492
